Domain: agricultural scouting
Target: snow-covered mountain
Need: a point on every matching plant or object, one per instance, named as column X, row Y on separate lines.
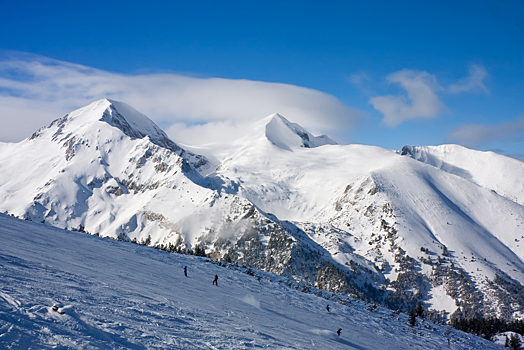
column 486, row 169
column 74, row 291
column 361, row 220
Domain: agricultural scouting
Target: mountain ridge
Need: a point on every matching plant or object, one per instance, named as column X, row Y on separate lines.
column 487, row 170
column 355, row 219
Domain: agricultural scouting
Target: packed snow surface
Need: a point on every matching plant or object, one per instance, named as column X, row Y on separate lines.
column 63, row 289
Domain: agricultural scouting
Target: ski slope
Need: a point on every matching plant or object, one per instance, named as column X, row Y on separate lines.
column 115, row 295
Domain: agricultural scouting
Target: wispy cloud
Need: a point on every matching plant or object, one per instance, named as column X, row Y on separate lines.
column 482, row 135
column 35, row 90
column 420, row 101
column 474, row 82
column 358, row 78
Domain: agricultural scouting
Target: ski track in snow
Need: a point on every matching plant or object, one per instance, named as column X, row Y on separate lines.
column 115, row 295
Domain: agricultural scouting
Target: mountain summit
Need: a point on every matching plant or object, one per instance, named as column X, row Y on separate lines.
column 101, row 119
column 67, row 170
column 288, row 136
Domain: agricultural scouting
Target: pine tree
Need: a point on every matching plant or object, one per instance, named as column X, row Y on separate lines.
column 419, row 309
column 200, row 251
column 412, row 318
column 514, row 342
column 445, row 251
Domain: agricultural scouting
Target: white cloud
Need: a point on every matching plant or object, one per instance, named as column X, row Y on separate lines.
column 474, row 82
column 358, row 78
column 419, row 102
column 478, row 135
column 35, row 90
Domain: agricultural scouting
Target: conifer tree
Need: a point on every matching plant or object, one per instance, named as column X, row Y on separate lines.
column 419, row 309
column 412, row 318
column 445, row 251
column 514, row 342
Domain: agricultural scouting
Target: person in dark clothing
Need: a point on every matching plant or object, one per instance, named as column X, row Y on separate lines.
column 327, row 308
column 185, row 271
column 338, row 331
column 215, row 281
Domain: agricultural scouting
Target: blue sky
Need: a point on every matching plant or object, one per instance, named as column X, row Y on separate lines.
column 375, row 72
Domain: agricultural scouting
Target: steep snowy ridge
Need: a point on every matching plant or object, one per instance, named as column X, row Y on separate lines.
column 295, row 185
column 389, row 219
column 354, row 219
column 92, row 121
column 487, row 169
column 78, row 171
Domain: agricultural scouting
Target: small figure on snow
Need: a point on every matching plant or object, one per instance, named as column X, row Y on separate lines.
column 327, row 308
column 57, row 309
column 338, row 331
column 215, row 281
column 185, row 271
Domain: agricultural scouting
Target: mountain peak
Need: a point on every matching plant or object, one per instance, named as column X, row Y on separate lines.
column 115, row 114
column 104, row 121
column 122, row 116
column 287, row 135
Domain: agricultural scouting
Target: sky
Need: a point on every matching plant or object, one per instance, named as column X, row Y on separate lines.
column 379, row 73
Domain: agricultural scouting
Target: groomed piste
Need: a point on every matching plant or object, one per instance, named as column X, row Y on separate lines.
column 63, row 289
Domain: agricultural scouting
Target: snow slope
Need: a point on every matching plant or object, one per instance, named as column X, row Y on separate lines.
column 115, row 295
column 487, row 169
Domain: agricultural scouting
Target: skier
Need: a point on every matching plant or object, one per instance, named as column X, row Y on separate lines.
column 215, row 281
column 338, row 331
column 185, row 271
column 327, row 308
